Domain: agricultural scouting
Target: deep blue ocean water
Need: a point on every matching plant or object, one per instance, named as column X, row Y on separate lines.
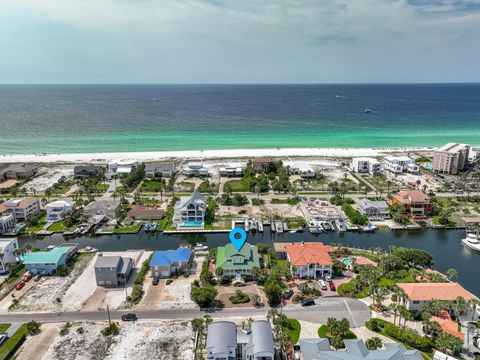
column 107, row 118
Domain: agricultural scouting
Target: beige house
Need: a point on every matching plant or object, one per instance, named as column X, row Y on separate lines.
column 21, row 209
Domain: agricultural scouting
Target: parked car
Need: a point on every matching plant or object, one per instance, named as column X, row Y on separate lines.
column 3, row 338
column 328, row 277
column 37, row 278
column 332, row 286
column 20, row 285
column 308, row 302
column 155, row 281
column 129, row 317
column 288, row 294
column 322, row 284
column 27, row 277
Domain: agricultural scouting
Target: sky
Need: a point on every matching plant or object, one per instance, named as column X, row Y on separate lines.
column 239, row 41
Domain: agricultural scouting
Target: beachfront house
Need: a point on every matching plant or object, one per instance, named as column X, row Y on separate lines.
column 112, row 271
column 373, row 210
column 266, row 163
column 21, row 209
column 310, row 259
column 225, row 342
column 163, row 169
column 366, row 165
column 46, row 262
column 232, row 169
column 355, row 349
column 56, row 210
column 400, row 164
column 450, row 158
column 195, row 168
column 167, row 262
column 303, row 169
column 421, row 294
column 189, row 211
column 235, row 263
column 18, row 172
column 84, row 171
column 106, row 207
column 120, row 167
column 417, row 204
column 7, row 223
column 7, row 253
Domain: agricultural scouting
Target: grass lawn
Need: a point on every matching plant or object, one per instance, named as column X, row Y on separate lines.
column 292, row 329
column 348, row 287
column 210, row 215
column 4, row 327
column 41, row 223
column 324, row 332
column 13, row 343
column 152, row 186
column 57, row 227
column 134, row 228
column 236, row 186
column 101, row 188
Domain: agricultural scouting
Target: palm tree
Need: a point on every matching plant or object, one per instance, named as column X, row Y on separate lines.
column 394, row 309
column 272, row 314
column 460, row 306
column 435, row 306
column 473, row 305
column 452, row 273
column 435, row 328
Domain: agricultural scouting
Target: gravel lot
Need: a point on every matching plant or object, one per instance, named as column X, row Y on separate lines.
column 45, row 294
column 50, row 175
column 172, row 340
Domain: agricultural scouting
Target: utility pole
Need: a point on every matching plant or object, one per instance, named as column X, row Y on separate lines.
column 109, row 319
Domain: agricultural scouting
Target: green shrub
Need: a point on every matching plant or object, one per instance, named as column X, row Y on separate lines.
column 111, row 330
column 242, row 299
column 169, row 281
column 404, row 336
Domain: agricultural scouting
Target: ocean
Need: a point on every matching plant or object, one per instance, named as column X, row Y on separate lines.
column 132, row 118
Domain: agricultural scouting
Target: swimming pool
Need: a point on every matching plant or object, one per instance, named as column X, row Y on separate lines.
column 346, row 261
column 192, row 224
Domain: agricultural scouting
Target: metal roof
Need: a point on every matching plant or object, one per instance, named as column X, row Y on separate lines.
column 167, row 257
column 46, row 257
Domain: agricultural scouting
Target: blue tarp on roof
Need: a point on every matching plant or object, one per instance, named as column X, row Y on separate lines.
column 167, row 257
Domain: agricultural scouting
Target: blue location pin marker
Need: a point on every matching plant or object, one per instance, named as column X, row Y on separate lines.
column 238, row 243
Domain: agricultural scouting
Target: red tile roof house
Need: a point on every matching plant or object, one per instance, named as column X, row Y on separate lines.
column 416, row 202
column 447, row 324
column 421, row 294
column 310, row 259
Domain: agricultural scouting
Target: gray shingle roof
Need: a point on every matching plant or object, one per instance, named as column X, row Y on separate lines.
column 107, row 261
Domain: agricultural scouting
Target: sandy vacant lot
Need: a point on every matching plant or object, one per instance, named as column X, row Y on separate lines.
column 172, row 340
column 48, row 177
column 47, row 294
column 173, row 296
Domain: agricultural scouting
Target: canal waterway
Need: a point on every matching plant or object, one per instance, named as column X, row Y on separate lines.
column 444, row 245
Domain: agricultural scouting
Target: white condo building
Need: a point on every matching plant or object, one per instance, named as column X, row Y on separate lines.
column 400, row 164
column 7, row 249
column 366, row 166
column 450, row 158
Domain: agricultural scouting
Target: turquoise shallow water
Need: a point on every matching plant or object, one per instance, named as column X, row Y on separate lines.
column 110, row 118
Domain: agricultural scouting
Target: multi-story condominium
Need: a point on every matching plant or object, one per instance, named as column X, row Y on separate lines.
column 474, row 154
column 190, row 211
column 400, row 164
column 20, row 208
column 225, row 342
column 7, row 223
column 355, row 349
column 373, row 210
column 450, row 158
column 195, row 168
column 164, row 169
column 7, row 250
column 366, row 166
column 56, row 210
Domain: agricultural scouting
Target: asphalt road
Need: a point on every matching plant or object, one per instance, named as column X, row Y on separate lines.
column 355, row 311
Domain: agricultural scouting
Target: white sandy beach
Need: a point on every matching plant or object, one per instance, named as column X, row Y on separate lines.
column 204, row 154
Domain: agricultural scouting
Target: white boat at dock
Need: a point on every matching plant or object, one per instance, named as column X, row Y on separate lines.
column 472, row 241
column 200, row 247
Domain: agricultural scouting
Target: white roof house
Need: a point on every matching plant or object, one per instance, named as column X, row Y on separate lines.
column 7, row 248
column 121, row 166
column 366, row 165
column 195, row 168
column 400, row 164
column 300, row 168
column 56, row 209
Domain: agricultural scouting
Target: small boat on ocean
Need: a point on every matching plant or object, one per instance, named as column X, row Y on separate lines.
column 368, row 111
column 472, row 241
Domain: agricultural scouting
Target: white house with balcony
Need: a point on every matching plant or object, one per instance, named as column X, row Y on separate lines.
column 7, row 251
column 56, row 210
column 298, row 168
column 190, row 211
column 400, row 164
column 120, row 166
column 366, row 166
column 195, row 168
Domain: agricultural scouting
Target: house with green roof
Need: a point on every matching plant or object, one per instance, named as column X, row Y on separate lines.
column 235, row 263
column 46, row 262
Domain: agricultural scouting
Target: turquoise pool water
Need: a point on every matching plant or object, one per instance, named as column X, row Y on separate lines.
column 346, row 261
column 192, row 224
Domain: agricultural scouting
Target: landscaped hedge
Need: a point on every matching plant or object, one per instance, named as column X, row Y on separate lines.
column 354, row 215
column 404, row 336
column 13, row 343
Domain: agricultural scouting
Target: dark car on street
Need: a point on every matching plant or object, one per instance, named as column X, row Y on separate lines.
column 308, row 302
column 331, row 285
column 129, row 317
column 155, row 281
